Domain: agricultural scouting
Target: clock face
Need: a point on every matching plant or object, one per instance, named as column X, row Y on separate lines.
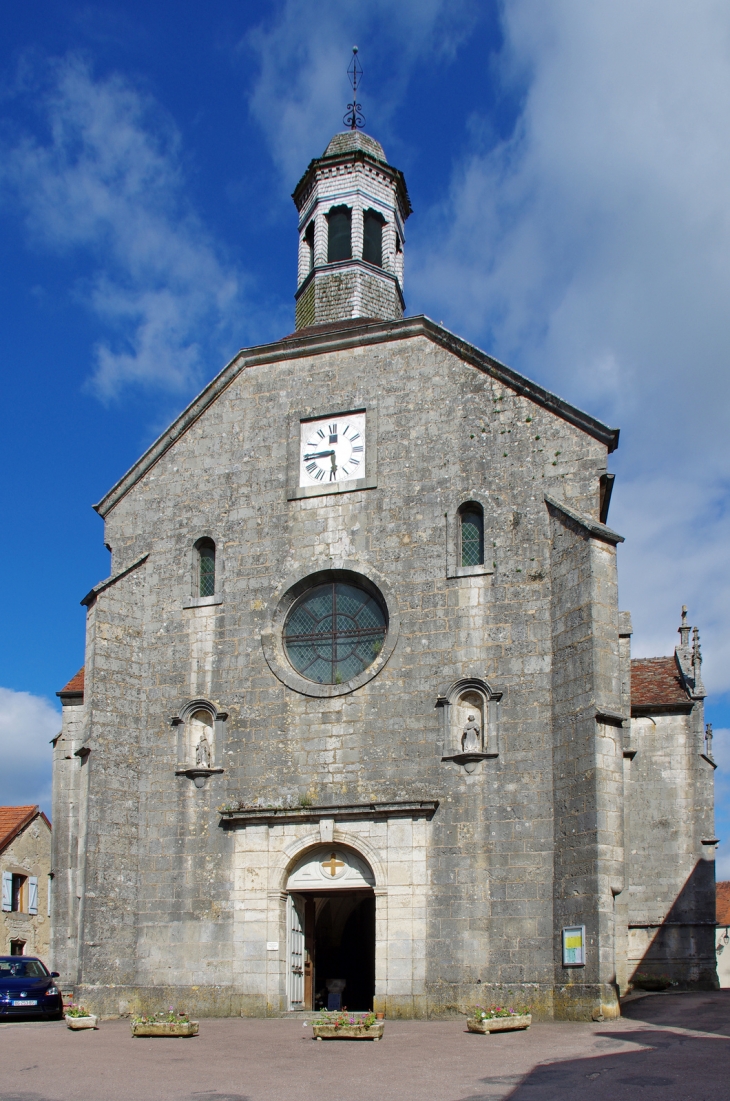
column 332, row 450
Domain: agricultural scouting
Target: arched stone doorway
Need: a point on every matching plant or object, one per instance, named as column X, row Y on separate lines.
column 330, row 931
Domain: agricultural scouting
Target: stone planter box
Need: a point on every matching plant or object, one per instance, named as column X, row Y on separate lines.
column 165, row 1028
column 349, row 1032
column 499, row 1024
column 77, row 1023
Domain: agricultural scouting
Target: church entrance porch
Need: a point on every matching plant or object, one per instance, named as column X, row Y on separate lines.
column 331, row 893
column 331, row 950
column 331, row 930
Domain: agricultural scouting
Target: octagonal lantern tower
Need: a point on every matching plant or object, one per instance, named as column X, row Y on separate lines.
column 352, row 209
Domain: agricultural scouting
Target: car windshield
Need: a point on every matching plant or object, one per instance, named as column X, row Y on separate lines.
column 21, row 969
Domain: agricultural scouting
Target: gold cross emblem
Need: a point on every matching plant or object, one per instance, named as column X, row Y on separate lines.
column 333, row 864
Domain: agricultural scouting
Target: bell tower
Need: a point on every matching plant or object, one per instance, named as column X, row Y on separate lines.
column 352, row 210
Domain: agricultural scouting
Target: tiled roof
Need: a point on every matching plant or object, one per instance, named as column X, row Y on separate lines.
column 15, row 819
column 76, row 684
column 656, row 684
column 723, row 903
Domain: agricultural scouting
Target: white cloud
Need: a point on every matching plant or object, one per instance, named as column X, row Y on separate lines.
column 592, row 250
column 27, row 725
column 301, row 91
column 105, row 181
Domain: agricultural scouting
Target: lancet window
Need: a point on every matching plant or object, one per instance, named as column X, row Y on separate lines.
column 206, row 567
column 471, row 524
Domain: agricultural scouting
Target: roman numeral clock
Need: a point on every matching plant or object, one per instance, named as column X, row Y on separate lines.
column 332, row 450
column 333, row 453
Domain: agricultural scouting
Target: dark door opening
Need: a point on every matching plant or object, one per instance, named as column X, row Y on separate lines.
column 340, row 948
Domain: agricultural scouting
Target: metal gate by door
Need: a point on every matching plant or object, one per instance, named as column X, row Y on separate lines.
column 295, row 952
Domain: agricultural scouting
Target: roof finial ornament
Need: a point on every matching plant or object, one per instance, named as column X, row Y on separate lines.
column 354, row 117
column 684, row 630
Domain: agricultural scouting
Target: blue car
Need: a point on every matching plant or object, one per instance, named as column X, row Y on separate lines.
column 27, row 986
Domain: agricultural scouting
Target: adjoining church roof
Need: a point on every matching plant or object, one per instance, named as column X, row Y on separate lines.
column 75, row 686
column 13, row 821
column 657, row 685
column 351, row 140
column 722, row 903
column 339, row 338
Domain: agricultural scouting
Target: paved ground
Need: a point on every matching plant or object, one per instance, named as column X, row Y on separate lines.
column 672, row 1047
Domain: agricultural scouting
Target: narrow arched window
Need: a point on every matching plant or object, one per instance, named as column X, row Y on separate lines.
column 206, row 567
column 339, row 234
column 309, row 242
column 471, row 518
column 372, row 239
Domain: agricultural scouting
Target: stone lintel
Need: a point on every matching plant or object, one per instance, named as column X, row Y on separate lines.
column 343, row 812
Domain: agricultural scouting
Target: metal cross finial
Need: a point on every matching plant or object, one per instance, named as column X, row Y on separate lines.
column 354, row 117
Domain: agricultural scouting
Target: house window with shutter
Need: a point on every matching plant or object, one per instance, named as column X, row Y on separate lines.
column 7, row 891
column 20, row 893
column 33, row 894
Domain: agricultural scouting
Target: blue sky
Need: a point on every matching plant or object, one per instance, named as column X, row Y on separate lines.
column 568, row 168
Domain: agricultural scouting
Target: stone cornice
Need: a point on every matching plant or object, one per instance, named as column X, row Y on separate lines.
column 320, row 343
column 301, row 191
column 93, row 593
column 593, row 527
column 342, row 812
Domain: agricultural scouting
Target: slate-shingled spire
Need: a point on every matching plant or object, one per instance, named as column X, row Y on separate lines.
column 352, row 209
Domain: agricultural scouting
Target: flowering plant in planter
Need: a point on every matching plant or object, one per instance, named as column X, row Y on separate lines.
column 336, row 1025
column 499, row 1018
column 495, row 1011
column 342, row 1019
column 79, row 1018
column 164, row 1024
column 170, row 1017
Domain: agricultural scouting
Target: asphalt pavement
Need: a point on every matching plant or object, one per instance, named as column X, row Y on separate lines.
column 666, row 1047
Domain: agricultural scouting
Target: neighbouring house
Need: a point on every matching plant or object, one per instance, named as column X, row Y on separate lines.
column 722, row 932
column 25, row 861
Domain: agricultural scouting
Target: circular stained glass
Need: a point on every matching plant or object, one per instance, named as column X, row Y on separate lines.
column 334, row 632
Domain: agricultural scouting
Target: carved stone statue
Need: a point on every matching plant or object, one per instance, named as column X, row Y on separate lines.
column 471, row 740
column 203, row 757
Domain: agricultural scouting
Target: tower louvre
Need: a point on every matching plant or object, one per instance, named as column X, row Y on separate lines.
column 352, row 210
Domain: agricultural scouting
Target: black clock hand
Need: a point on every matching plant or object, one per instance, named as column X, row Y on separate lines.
column 318, row 455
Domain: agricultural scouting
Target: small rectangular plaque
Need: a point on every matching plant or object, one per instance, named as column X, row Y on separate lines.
column 272, row 946
column 574, row 946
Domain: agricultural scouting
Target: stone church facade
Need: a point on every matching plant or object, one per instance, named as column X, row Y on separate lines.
column 355, row 723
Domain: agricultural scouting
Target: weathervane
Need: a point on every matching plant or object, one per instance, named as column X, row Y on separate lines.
column 354, row 117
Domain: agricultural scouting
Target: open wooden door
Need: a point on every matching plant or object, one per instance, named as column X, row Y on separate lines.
column 309, row 921
column 295, row 951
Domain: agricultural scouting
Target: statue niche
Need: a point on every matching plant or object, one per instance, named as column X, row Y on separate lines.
column 469, row 723
column 197, row 748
